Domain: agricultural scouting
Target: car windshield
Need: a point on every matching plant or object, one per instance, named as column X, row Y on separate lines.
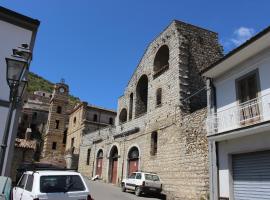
column 54, row 184
column 151, row 177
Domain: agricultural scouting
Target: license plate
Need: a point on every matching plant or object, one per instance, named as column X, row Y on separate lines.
column 152, row 189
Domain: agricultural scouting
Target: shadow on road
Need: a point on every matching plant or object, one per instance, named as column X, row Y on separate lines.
column 150, row 196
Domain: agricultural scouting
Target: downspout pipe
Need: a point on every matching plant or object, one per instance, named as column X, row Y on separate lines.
column 213, row 150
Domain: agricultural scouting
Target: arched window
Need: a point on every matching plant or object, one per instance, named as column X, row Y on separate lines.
column 123, row 116
column 161, row 61
column 141, row 96
column 59, row 109
column 133, row 153
column 100, row 154
column 130, row 106
column 159, row 97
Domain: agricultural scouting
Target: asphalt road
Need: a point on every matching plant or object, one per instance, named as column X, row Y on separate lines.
column 103, row 191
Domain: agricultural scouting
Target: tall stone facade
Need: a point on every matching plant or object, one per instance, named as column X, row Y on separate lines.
column 54, row 144
column 160, row 124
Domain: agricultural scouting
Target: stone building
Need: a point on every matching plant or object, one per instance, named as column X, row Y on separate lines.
column 34, row 114
column 160, row 124
column 54, row 137
column 84, row 119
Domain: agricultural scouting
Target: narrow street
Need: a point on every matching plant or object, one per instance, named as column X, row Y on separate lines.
column 103, row 191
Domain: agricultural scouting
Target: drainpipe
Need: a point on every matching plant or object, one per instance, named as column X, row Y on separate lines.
column 213, row 151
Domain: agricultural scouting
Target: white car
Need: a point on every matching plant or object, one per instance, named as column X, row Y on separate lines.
column 51, row 185
column 142, row 182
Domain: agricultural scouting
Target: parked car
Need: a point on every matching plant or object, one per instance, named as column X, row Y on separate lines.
column 142, row 182
column 5, row 188
column 51, row 185
column 29, row 166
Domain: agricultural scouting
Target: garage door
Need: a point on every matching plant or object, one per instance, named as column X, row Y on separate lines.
column 251, row 176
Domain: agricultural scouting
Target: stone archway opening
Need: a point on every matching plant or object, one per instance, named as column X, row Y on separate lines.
column 133, row 160
column 123, row 116
column 99, row 163
column 113, row 165
column 161, row 60
column 141, row 96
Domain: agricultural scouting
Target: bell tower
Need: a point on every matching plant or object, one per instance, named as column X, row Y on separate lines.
column 53, row 146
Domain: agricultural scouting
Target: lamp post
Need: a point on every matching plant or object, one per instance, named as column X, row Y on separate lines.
column 17, row 66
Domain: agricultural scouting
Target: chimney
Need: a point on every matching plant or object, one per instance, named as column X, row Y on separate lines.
column 28, row 133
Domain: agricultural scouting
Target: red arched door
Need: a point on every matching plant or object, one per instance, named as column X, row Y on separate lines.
column 114, row 164
column 133, row 160
column 114, row 170
column 99, row 163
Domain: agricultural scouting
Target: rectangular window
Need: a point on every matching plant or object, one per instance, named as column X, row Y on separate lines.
column 22, row 181
column 139, row 176
column 29, row 183
column 88, row 157
column 72, row 142
column 54, row 145
column 247, row 88
column 58, row 184
column 57, row 122
column 154, row 141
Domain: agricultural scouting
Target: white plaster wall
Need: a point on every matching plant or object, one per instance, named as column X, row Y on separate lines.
column 246, row 144
column 226, row 90
column 11, row 36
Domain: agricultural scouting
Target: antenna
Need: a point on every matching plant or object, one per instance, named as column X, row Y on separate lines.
column 62, row 80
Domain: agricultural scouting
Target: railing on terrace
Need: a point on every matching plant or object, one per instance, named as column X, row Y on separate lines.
column 245, row 114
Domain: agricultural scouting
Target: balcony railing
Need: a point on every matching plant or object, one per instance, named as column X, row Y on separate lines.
column 248, row 113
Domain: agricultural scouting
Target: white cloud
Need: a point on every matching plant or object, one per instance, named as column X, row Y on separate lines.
column 241, row 35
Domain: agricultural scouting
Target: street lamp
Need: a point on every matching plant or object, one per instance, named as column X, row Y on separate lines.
column 16, row 71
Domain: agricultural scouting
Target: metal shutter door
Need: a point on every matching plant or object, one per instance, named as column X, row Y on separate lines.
column 251, row 176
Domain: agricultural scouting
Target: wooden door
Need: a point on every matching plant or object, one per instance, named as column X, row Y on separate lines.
column 99, row 167
column 133, row 166
column 114, row 171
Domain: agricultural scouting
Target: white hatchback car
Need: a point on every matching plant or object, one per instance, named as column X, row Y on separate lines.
column 51, row 185
column 142, row 182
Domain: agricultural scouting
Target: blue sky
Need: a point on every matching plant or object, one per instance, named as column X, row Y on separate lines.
column 96, row 44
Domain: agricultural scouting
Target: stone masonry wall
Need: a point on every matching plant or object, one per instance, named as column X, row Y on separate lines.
column 181, row 159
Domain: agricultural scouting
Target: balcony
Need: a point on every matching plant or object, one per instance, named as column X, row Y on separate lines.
column 246, row 114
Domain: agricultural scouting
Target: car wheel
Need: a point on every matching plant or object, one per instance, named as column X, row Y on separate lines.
column 123, row 188
column 138, row 191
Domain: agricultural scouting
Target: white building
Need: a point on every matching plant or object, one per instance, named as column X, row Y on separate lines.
column 15, row 29
column 239, row 121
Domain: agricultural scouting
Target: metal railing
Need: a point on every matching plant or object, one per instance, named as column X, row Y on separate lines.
column 245, row 114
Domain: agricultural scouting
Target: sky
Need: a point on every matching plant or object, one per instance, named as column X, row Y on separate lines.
column 96, row 45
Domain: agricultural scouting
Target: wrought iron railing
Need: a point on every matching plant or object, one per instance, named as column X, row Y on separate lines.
column 245, row 114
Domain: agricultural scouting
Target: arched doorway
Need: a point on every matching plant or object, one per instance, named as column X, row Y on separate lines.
column 113, row 165
column 133, row 160
column 99, row 163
